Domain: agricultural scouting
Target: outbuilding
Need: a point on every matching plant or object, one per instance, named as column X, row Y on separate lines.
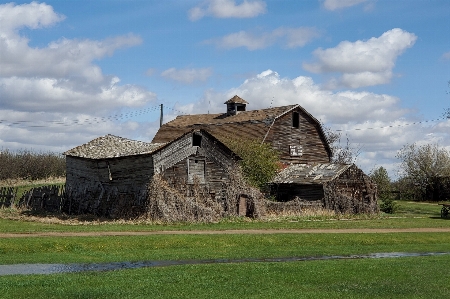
column 111, row 173
column 343, row 188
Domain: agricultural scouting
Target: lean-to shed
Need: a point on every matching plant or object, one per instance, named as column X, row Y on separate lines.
column 343, row 188
column 295, row 133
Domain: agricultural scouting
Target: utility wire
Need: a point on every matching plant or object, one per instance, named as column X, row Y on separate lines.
column 393, row 126
column 86, row 121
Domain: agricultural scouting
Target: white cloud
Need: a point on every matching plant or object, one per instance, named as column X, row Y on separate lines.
column 287, row 37
column 34, row 15
column 187, row 75
column 363, row 63
column 46, row 90
column 374, row 122
column 339, row 4
column 228, row 9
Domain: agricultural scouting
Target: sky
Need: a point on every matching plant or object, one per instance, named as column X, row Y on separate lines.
column 376, row 71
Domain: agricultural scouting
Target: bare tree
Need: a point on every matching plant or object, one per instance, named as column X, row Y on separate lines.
column 341, row 153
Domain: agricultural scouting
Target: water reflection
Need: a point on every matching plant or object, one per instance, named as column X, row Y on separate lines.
column 25, row 269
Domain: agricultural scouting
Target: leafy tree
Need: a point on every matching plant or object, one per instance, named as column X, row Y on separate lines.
column 381, row 178
column 424, row 167
column 260, row 162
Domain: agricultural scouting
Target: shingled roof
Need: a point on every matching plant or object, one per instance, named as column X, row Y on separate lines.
column 310, row 174
column 236, row 99
column 110, row 146
column 252, row 124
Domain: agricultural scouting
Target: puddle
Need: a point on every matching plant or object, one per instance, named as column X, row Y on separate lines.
column 26, row 269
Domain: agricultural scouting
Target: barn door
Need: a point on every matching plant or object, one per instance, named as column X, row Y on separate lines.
column 196, row 168
column 242, row 205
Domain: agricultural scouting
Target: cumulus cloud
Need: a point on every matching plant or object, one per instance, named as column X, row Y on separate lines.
column 339, row 4
column 375, row 123
column 42, row 87
column 227, row 9
column 363, row 63
column 187, row 76
column 33, row 16
column 287, row 37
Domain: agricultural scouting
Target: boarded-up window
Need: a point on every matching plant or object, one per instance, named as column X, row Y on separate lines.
column 196, row 169
column 295, row 119
column 296, row 150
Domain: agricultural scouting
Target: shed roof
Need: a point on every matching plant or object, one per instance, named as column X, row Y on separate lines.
column 110, row 146
column 310, row 174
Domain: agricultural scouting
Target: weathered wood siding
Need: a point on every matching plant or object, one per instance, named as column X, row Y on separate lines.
column 116, row 172
column 177, row 162
column 352, row 192
column 311, row 147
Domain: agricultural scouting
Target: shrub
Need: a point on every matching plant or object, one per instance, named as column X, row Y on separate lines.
column 260, row 162
column 388, row 205
column 25, row 164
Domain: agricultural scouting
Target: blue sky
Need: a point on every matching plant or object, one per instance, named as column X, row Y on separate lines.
column 73, row 70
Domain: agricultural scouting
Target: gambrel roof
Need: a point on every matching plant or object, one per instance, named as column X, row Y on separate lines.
column 110, row 146
column 253, row 124
column 310, row 174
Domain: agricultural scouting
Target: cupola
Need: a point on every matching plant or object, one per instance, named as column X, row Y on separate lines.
column 235, row 105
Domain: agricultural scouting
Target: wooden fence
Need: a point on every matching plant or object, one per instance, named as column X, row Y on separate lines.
column 48, row 198
column 7, row 196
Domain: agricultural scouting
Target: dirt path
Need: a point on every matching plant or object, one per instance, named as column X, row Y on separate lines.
column 230, row 232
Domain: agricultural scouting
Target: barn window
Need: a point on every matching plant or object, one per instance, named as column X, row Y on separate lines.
column 196, row 139
column 295, row 119
column 196, row 170
column 296, row 150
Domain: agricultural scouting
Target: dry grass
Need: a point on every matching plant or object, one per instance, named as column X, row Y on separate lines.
column 22, row 182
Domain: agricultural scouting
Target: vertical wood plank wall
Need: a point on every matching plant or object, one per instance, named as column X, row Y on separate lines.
column 283, row 134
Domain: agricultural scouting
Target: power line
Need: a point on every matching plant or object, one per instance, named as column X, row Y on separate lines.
column 393, row 126
column 86, row 121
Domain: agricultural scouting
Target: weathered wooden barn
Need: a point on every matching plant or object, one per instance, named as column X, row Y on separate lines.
column 112, row 167
column 192, row 149
column 343, row 188
column 295, row 133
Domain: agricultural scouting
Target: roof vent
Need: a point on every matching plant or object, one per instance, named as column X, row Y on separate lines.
column 235, row 105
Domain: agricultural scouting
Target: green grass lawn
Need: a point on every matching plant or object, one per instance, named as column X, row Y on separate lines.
column 418, row 277
column 409, row 215
column 176, row 247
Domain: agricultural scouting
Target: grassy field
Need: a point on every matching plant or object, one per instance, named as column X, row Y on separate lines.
column 380, row 278
column 409, row 215
column 408, row 277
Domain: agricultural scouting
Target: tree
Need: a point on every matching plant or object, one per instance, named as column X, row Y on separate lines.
column 260, row 162
column 381, row 178
column 424, row 167
column 344, row 154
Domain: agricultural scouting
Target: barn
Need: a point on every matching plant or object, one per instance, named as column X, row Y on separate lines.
column 343, row 188
column 295, row 133
column 110, row 173
column 192, row 149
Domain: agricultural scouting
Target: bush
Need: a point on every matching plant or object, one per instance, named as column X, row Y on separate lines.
column 25, row 164
column 260, row 162
column 388, row 205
